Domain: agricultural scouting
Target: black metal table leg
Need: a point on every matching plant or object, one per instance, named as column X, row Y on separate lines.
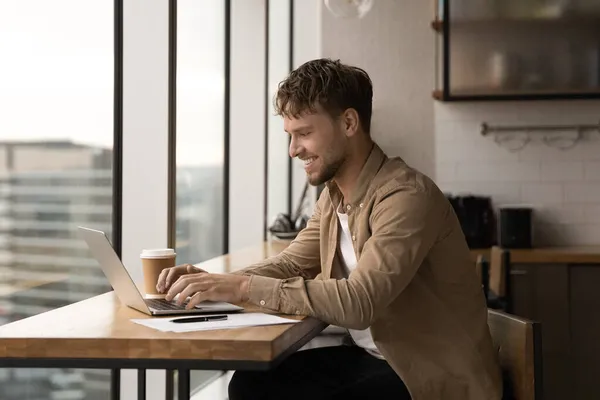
column 141, row 384
column 115, row 384
column 183, row 384
column 169, row 395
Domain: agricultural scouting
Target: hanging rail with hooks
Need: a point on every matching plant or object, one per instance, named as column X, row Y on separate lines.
column 487, row 129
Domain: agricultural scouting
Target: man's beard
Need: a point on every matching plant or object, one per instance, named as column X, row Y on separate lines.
column 327, row 174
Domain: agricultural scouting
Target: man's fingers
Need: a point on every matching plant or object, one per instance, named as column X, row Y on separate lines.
column 183, row 282
column 197, row 299
column 176, row 276
column 189, row 290
column 160, row 283
column 166, row 277
column 171, row 276
column 176, row 288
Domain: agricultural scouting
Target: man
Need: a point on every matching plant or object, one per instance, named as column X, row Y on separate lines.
column 383, row 256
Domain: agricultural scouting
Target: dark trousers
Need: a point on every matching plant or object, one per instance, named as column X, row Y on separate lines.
column 340, row 372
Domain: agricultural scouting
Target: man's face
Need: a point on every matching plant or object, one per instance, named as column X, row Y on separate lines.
column 320, row 142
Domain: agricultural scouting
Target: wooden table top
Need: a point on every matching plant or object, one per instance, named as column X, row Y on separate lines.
column 550, row 255
column 101, row 328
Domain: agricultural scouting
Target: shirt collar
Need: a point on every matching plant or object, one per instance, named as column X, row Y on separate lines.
column 374, row 162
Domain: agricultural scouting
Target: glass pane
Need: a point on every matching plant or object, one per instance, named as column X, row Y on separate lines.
column 56, row 140
column 524, row 47
column 200, row 129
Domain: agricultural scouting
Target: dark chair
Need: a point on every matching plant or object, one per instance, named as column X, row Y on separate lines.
column 482, row 269
column 519, row 344
column 498, row 290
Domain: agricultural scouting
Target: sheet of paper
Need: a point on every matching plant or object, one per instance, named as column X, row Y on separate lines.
column 237, row 320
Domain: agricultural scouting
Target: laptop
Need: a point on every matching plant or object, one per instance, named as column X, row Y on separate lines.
column 127, row 291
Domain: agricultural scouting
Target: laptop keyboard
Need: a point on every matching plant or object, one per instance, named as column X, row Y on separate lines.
column 161, row 304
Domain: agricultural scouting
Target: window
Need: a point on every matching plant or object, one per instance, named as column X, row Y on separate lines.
column 200, row 120
column 56, row 155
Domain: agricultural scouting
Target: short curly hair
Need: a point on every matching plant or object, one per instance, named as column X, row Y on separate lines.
column 330, row 84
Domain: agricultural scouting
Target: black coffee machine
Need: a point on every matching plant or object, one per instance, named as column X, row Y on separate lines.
column 476, row 216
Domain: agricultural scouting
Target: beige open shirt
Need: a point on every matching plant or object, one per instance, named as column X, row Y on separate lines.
column 415, row 284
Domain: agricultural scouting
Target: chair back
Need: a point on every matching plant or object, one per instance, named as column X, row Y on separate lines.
column 519, row 345
column 499, row 271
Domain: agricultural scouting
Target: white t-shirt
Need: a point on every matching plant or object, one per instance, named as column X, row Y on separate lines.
column 362, row 338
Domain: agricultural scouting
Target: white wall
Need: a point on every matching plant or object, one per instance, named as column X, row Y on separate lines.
column 563, row 186
column 247, row 129
column 145, row 156
column 395, row 45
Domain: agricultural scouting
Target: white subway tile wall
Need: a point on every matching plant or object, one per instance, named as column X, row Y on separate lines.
column 592, row 171
column 563, row 185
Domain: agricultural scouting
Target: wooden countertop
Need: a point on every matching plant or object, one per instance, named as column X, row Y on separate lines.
column 550, row 255
column 539, row 255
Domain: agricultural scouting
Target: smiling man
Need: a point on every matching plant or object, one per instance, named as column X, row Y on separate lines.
column 383, row 256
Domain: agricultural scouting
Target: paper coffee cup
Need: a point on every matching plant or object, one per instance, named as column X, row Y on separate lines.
column 153, row 262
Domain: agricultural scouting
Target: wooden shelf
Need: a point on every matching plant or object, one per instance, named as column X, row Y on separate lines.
column 494, row 94
column 525, row 35
column 510, row 92
column 574, row 20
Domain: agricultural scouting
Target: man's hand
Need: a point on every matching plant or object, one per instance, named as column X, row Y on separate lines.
column 169, row 275
column 213, row 287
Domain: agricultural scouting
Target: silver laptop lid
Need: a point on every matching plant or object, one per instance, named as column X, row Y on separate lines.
column 113, row 268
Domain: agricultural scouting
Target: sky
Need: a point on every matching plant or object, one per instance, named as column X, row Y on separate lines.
column 56, row 75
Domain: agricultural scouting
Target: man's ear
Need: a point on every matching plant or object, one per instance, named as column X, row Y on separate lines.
column 351, row 121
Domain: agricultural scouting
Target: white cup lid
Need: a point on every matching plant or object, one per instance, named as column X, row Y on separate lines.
column 157, row 253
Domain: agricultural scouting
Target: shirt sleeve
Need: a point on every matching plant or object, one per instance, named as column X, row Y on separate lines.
column 404, row 228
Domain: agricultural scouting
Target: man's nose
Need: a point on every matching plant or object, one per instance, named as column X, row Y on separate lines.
column 294, row 148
